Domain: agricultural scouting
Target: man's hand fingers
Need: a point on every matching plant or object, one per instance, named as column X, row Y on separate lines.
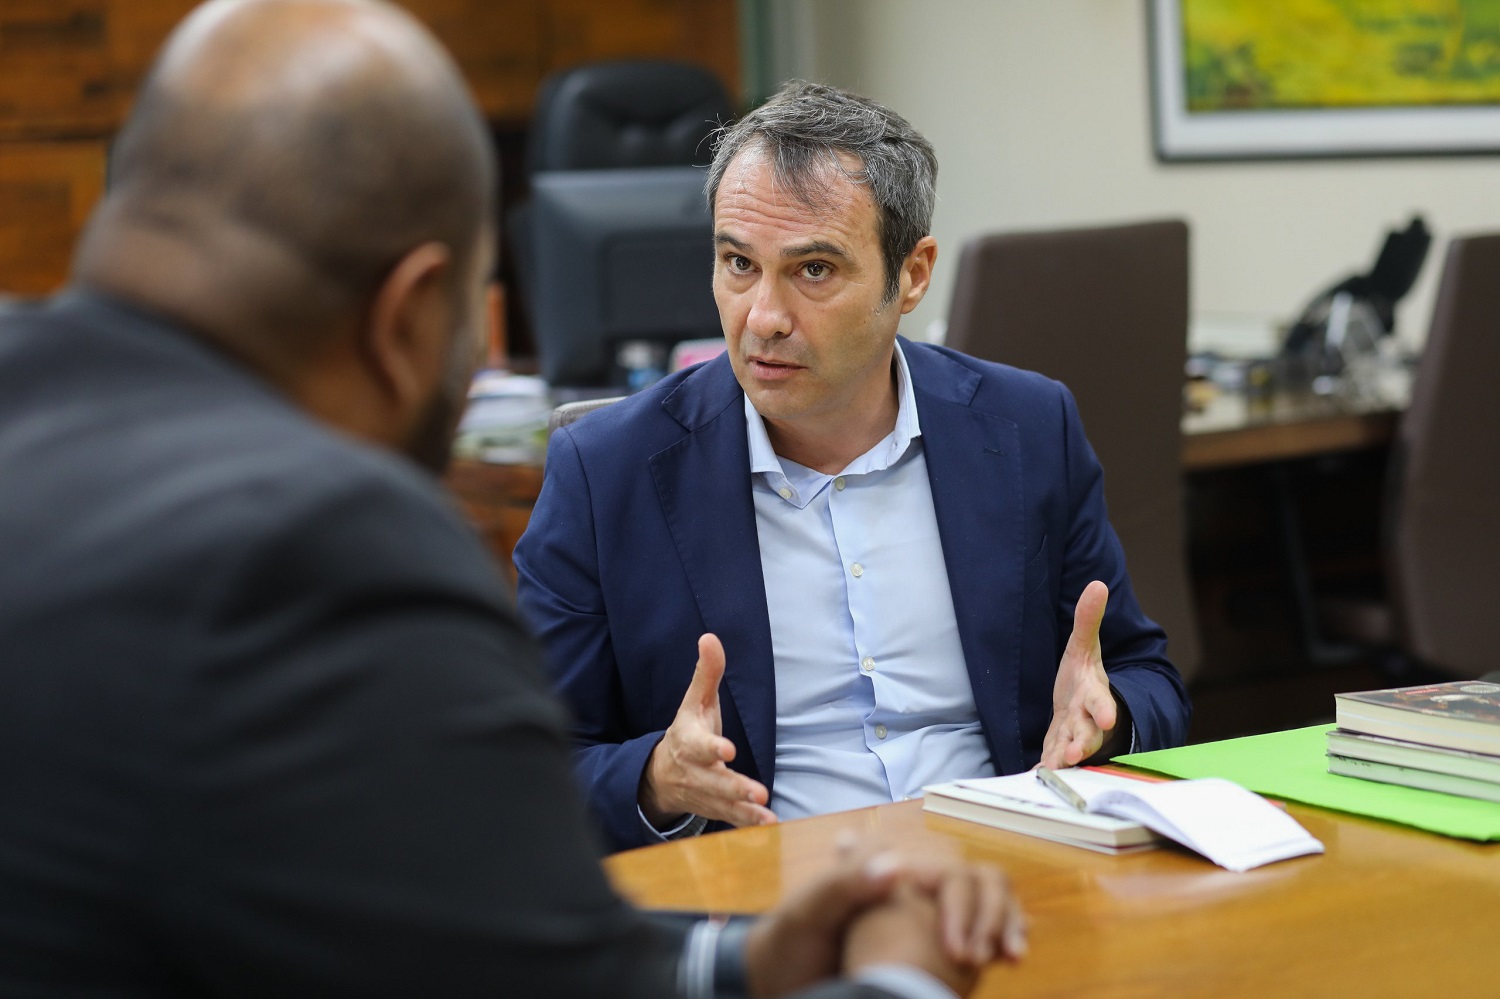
column 1101, row 706
column 855, row 883
column 747, row 814
column 701, row 748
column 726, row 796
column 957, row 903
column 1087, row 616
column 703, row 692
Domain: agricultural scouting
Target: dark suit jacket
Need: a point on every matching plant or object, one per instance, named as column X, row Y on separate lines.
column 644, row 537
column 267, row 725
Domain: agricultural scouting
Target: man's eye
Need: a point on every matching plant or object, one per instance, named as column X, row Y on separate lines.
column 815, row 270
column 739, row 264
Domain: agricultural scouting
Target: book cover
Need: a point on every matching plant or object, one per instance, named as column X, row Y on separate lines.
column 1461, row 714
column 1425, row 780
column 1401, row 753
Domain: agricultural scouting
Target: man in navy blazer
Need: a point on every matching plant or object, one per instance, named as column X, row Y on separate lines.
column 1007, row 636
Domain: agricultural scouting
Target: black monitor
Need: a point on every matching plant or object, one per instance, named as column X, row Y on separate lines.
column 621, row 255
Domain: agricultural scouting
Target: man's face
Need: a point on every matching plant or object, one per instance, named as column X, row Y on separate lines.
column 800, row 291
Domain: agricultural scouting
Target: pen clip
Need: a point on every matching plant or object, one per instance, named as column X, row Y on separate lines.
column 1060, row 788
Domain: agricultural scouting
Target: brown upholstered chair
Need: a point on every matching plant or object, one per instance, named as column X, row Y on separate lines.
column 1105, row 312
column 1442, row 517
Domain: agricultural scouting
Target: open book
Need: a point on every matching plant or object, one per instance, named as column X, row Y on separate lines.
column 1229, row 825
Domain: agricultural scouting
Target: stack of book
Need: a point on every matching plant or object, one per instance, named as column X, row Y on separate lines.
column 1438, row 737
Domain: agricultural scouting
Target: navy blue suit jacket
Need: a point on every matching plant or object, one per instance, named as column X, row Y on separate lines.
column 644, row 537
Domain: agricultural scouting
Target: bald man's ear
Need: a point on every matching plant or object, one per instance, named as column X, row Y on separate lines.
column 405, row 342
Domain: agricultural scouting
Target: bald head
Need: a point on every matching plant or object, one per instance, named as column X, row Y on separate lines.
column 303, row 146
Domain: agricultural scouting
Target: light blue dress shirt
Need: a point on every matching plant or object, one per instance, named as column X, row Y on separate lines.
column 873, row 699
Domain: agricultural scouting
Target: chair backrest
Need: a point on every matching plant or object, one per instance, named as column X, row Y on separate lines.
column 572, row 412
column 631, row 113
column 1105, row 312
column 611, row 115
column 1444, row 515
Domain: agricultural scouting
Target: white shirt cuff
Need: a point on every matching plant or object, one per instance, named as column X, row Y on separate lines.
column 690, row 826
column 904, row 981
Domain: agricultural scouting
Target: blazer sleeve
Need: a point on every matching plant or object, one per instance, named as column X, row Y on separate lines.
column 371, row 793
column 562, row 600
column 1134, row 646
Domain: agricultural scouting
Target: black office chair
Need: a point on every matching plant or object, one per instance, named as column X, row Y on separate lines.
column 1105, row 312
column 610, row 115
column 1441, row 534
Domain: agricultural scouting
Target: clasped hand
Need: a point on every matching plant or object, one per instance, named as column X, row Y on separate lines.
column 941, row 915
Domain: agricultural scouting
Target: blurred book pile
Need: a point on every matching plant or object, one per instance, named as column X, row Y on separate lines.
column 506, row 420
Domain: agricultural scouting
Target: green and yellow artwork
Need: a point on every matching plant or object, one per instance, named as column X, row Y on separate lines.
column 1339, row 54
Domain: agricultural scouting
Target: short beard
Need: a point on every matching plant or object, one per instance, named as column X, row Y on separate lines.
column 431, row 442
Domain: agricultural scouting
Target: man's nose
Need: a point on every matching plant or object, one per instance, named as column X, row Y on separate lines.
column 769, row 317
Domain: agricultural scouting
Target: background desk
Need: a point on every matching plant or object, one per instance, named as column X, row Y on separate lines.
column 1231, row 433
column 1234, row 431
column 1386, row 912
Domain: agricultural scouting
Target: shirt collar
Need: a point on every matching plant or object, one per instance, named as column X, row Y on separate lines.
column 882, row 455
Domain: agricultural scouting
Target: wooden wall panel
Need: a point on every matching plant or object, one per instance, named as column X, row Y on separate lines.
column 495, row 43
column 69, row 70
column 46, row 193
column 701, row 31
column 72, row 66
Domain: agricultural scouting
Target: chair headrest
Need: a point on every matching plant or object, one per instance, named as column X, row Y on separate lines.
column 633, row 113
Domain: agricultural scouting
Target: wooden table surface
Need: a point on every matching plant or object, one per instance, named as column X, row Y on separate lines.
column 1387, row 911
column 1235, row 430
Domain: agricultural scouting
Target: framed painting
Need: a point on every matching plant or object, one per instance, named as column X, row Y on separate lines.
column 1250, row 79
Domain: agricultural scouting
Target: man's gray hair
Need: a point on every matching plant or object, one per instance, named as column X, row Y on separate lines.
column 805, row 126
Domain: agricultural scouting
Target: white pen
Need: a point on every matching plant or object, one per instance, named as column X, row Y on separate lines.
column 1059, row 787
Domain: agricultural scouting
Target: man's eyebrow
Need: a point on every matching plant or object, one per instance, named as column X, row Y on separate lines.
column 816, row 248
column 724, row 239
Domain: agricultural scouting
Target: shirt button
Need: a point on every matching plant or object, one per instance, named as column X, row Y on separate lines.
column 786, row 493
column 857, row 569
column 881, row 731
column 839, row 483
column 867, row 664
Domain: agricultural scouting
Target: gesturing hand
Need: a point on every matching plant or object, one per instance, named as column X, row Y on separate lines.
column 688, row 772
column 1083, row 709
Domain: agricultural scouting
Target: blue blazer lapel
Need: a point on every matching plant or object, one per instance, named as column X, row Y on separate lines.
column 978, row 495
column 703, row 482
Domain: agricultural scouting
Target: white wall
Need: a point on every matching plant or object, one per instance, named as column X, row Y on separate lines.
column 1039, row 110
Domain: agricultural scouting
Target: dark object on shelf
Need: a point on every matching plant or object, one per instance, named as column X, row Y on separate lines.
column 626, row 114
column 624, row 259
column 1356, row 311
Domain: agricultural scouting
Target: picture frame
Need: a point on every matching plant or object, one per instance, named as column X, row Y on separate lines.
column 1425, row 121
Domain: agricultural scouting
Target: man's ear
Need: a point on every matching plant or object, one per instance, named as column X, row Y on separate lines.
column 916, row 273
column 405, row 339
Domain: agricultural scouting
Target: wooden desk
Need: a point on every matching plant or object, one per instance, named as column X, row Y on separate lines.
column 498, row 501
column 1234, row 431
column 1386, row 912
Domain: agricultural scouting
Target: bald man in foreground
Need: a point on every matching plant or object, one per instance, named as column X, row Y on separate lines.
column 267, row 726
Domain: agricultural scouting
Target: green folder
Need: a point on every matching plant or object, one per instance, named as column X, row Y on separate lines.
column 1294, row 766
